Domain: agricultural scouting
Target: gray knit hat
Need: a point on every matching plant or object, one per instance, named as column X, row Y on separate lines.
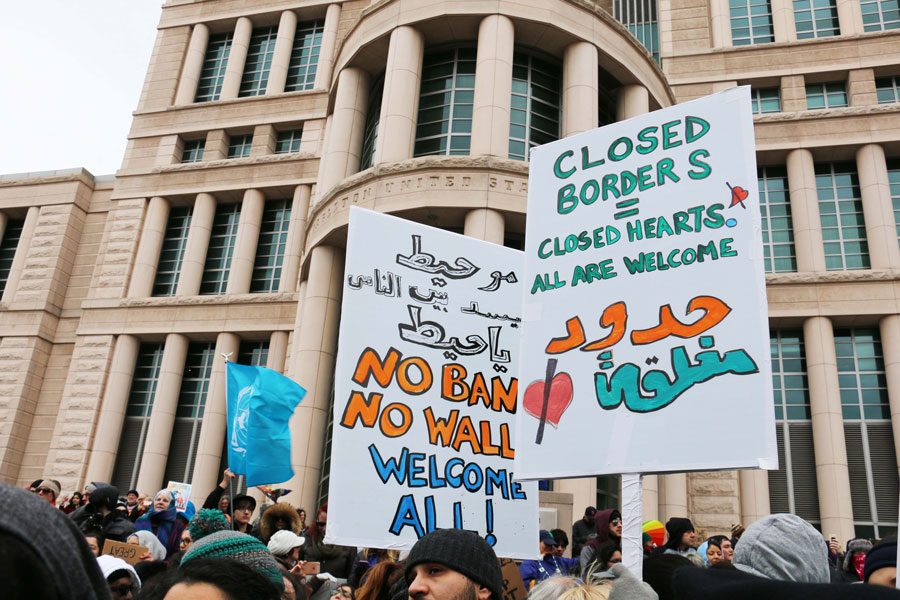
column 238, row 546
column 462, row 551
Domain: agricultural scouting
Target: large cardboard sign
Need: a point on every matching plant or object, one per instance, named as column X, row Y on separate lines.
column 644, row 298
column 130, row 553
column 425, row 390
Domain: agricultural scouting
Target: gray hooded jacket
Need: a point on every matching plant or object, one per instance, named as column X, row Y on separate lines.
column 783, row 547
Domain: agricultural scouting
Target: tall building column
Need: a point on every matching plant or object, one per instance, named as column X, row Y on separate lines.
column 400, row 101
column 18, row 263
column 212, row 432
column 345, row 134
column 878, row 212
column 673, row 496
column 4, row 220
column 801, row 172
column 828, row 428
column 290, row 368
column 720, row 23
column 162, row 415
column 783, row 27
column 634, row 100
column 112, row 412
column 325, row 69
column 580, row 88
column 193, row 65
column 849, row 17
column 281, row 56
column 485, row 224
column 237, row 57
column 493, row 87
column 313, row 368
column 584, row 494
column 278, row 344
column 754, row 486
column 296, row 239
column 196, row 245
column 889, row 328
column 250, row 221
column 650, row 497
column 147, row 259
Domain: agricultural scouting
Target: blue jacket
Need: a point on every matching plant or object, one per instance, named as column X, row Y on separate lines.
column 539, row 570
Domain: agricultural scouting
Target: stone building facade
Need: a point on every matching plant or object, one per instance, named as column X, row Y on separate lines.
column 261, row 122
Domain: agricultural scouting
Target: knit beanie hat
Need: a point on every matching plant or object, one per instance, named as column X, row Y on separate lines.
column 462, row 551
column 240, row 547
column 677, row 527
column 282, row 542
column 207, row 521
column 882, row 555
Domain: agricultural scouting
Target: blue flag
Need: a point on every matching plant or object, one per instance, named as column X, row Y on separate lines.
column 260, row 404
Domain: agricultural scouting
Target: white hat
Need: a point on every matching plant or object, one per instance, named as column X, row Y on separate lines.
column 111, row 564
column 283, row 541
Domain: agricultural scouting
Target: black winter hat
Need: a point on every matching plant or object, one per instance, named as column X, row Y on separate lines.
column 882, row 555
column 677, row 527
column 105, row 495
column 463, row 551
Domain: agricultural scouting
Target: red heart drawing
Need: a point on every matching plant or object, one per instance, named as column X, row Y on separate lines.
column 559, row 401
column 738, row 195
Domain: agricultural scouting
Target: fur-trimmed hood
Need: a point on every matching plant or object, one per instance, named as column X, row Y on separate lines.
column 279, row 510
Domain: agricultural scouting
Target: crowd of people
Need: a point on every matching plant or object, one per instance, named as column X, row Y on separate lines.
column 54, row 547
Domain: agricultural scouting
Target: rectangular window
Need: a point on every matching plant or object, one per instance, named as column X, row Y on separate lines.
column 288, row 141
column 370, row 131
column 444, row 124
column 826, row 95
column 893, row 166
column 192, row 151
column 259, row 60
column 273, row 233
column 535, row 104
column 639, row 17
column 189, row 412
column 8, row 246
column 213, row 72
column 254, row 354
column 816, row 18
column 765, row 100
column 887, row 89
column 172, row 252
column 239, row 145
column 751, row 22
column 301, row 73
column 777, row 226
column 609, row 488
column 793, row 487
column 221, row 246
column 841, row 215
column 869, row 440
column 880, row 15
column 137, row 416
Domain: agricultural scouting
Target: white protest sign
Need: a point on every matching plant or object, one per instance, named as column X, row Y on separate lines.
column 425, row 390
column 182, row 493
column 644, row 298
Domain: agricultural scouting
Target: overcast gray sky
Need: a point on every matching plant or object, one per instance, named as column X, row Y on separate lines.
column 72, row 73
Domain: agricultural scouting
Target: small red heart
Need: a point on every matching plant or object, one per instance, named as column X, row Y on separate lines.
column 738, row 194
column 559, row 401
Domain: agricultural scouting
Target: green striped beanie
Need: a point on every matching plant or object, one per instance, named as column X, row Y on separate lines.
column 240, row 547
column 206, row 522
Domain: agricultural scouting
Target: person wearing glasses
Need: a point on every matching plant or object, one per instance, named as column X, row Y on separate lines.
column 534, row 571
column 48, row 490
column 124, row 583
column 608, row 525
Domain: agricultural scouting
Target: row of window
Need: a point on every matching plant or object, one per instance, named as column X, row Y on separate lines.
column 287, row 141
column 751, row 20
column 188, row 413
column 302, row 66
column 270, row 248
column 824, row 95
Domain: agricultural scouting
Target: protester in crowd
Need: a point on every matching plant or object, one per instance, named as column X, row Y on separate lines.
column 285, row 546
column 241, row 547
column 343, row 592
column 336, row 560
column 225, row 504
column 205, row 522
column 647, row 543
column 133, row 508
column 101, row 514
column 710, row 552
column 453, row 563
column 562, row 542
column 582, row 530
column 294, row 588
column 186, row 540
column 303, row 528
column 121, row 577
column 48, row 490
column 164, row 521
column 368, row 558
column 608, row 555
column 150, row 570
column 736, row 532
column 281, row 516
column 724, row 544
column 234, row 513
column 783, row 547
column 533, row 571
column 681, row 537
column 852, row 565
column 213, row 578
column 155, row 550
column 81, row 513
column 73, row 503
column 95, row 540
column 42, row 553
column 608, row 527
column 659, row 569
column 881, row 564
column 378, row 580
column 553, row 587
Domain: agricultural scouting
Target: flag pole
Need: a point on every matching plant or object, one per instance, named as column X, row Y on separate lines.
column 225, row 357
